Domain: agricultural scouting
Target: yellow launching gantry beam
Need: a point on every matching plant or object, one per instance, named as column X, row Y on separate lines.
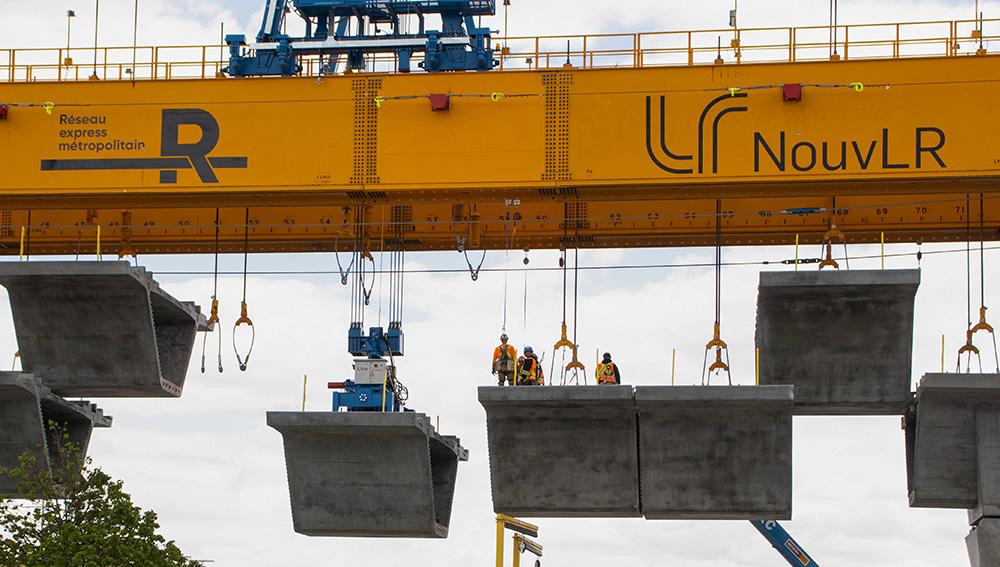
column 600, row 146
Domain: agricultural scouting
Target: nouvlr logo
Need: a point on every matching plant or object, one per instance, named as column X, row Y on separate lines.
column 174, row 155
column 715, row 111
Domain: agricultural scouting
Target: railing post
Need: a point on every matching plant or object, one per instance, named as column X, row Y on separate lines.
column 847, row 42
column 791, row 45
column 537, row 62
column 895, row 45
column 59, row 65
column 585, row 53
column 690, row 50
column 203, row 55
column 638, row 50
column 155, row 61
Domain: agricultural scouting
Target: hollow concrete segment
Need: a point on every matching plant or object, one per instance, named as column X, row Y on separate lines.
column 102, row 329
column 26, row 411
column 843, row 338
column 983, row 543
column 953, row 432
column 368, row 474
column 718, row 453
column 563, row 451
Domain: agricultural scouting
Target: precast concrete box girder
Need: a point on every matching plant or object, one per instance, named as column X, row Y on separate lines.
column 953, row 443
column 843, row 338
column 102, row 329
column 368, row 474
column 563, row 451
column 715, row 453
column 26, row 411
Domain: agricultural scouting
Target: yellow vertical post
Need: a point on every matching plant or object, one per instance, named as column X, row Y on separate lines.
column 517, row 550
column 757, row 366
column 24, row 232
column 673, row 366
column 98, row 242
column 883, row 250
column 305, row 380
column 942, row 354
column 796, row 252
column 499, row 540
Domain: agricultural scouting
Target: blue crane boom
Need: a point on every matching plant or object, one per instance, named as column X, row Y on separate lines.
column 784, row 543
column 459, row 44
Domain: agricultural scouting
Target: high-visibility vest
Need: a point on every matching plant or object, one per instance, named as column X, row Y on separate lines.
column 529, row 370
column 606, row 373
column 502, row 362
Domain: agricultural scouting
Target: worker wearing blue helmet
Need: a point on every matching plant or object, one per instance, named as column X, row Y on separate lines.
column 529, row 369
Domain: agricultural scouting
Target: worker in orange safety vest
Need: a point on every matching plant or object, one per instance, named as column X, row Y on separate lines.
column 504, row 361
column 529, row 370
column 607, row 372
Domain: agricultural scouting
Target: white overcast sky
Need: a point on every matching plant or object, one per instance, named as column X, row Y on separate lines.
column 214, row 472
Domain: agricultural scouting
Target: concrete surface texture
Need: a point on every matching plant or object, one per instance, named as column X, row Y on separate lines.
column 368, row 474
column 842, row 338
column 26, row 411
column 563, row 451
column 983, row 543
column 720, row 452
column 102, row 329
column 953, row 458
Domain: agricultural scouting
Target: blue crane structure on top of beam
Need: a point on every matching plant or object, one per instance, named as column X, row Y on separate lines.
column 460, row 45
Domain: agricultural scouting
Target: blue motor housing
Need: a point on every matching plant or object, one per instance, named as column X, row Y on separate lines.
column 458, row 45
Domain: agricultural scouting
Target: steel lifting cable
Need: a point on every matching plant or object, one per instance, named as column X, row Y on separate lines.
column 717, row 341
column 982, row 282
column 465, row 250
column 244, row 318
column 213, row 319
column 507, row 244
column 381, row 265
column 344, row 274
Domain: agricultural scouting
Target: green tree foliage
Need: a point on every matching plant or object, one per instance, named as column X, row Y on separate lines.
column 76, row 515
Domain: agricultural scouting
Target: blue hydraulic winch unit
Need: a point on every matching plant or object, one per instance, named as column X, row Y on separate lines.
column 375, row 386
column 350, row 28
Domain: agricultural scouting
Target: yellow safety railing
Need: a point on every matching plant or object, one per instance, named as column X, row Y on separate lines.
column 945, row 38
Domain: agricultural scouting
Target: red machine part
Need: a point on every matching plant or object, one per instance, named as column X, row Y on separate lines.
column 440, row 102
column 4, row 109
column 792, row 92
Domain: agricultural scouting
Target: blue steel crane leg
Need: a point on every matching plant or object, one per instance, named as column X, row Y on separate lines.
column 784, row 543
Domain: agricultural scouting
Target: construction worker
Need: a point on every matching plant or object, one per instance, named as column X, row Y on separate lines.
column 607, row 372
column 529, row 370
column 504, row 362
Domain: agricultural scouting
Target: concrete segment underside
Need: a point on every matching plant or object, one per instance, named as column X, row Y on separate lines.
column 368, row 474
column 101, row 329
column 715, row 453
column 953, row 452
column 27, row 410
column 842, row 338
column 563, row 451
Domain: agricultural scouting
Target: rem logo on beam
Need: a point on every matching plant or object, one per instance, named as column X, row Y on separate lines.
column 174, row 155
column 684, row 164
